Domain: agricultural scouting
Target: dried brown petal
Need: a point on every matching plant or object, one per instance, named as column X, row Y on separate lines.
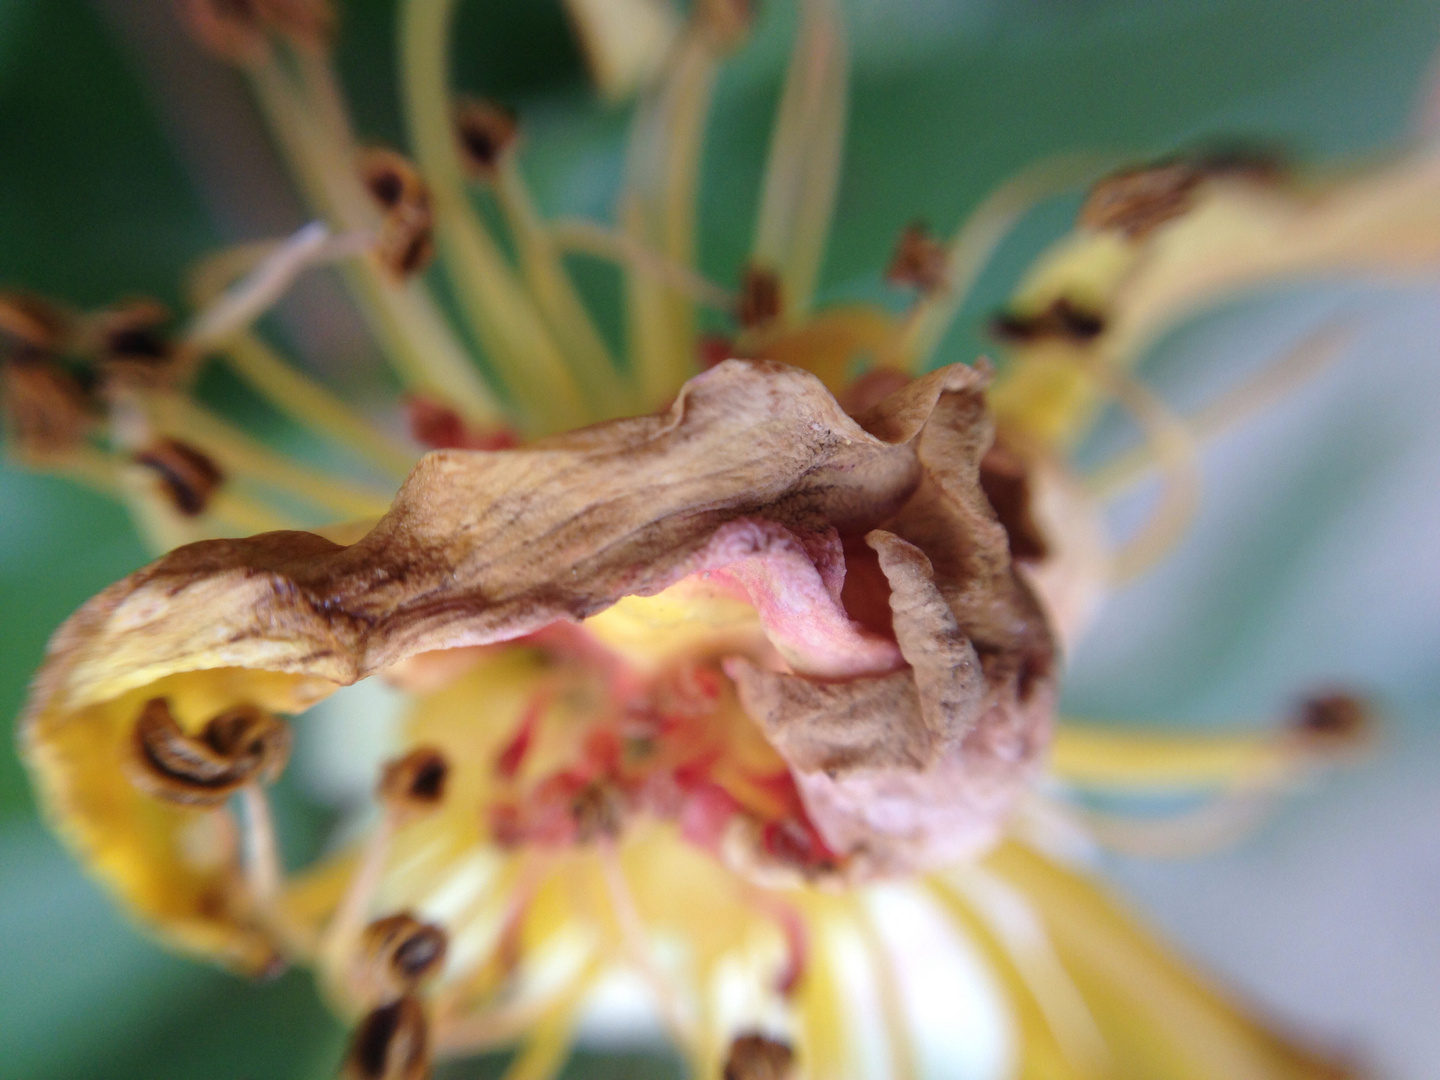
column 414, row 783
column 401, row 953
column 1005, row 479
column 758, row 1057
column 239, row 746
column 391, row 1043
column 187, row 475
column 487, row 132
column 406, row 240
column 919, row 260
column 760, row 300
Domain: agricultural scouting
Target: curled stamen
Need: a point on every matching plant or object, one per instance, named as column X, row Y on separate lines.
column 187, row 475
column 919, row 260
column 401, row 953
column 415, row 783
column 487, row 131
column 760, row 300
column 754, row 1056
column 237, row 747
column 391, row 1043
column 406, row 239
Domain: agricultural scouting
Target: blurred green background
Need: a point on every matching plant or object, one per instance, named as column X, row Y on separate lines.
column 125, row 154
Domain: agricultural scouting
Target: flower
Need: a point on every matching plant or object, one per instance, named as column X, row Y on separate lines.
column 688, row 681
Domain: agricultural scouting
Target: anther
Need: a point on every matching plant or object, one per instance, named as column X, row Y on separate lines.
column 30, row 326
column 189, row 477
column 919, row 260
column 597, row 811
column 406, row 240
column 1063, row 319
column 758, row 1057
column 760, row 299
column 728, row 22
column 47, row 409
column 487, row 131
column 401, row 953
column 1138, row 201
column 238, row 30
column 133, row 345
column 239, row 746
column 414, row 783
column 1335, row 720
column 391, row 1043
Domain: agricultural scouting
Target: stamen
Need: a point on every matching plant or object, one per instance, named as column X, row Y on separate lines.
column 1216, row 825
column 406, row 240
column 186, row 474
column 391, row 1043
column 755, row 1056
column 48, row 413
column 400, row 954
column 802, row 174
column 31, row 325
column 414, row 785
column 237, row 747
column 1063, row 319
column 919, row 260
column 249, row 298
column 134, row 348
column 760, row 298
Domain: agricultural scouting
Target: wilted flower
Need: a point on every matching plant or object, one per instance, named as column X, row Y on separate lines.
column 716, row 673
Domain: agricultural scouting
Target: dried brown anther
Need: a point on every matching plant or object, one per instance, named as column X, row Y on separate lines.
column 391, row 1043
column 239, row 746
column 760, row 300
column 406, row 241
column 401, row 953
column 1138, row 201
column 133, row 346
column 1334, row 719
column 238, row 30
column 728, row 22
column 414, row 783
column 598, row 811
column 1063, row 319
column 47, row 409
column 487, row 131
column 757, row 1057
column 30, row 326
column 919, row 261
column 189, row 477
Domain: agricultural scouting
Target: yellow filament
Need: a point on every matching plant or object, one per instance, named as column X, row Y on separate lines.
column 595, row 239
column 502, row 314
column 657, row 210
column 802, row 175
column 1315, row 352
column 1089, row 755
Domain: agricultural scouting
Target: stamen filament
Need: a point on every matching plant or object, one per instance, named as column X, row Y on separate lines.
column 598, row 240
column 502, row 315
column 263, row 871
column 1089, row 755
column 802, row 175
column 657, row 211
column 1219, row 823
column 340, row 937
column 1315, row 352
